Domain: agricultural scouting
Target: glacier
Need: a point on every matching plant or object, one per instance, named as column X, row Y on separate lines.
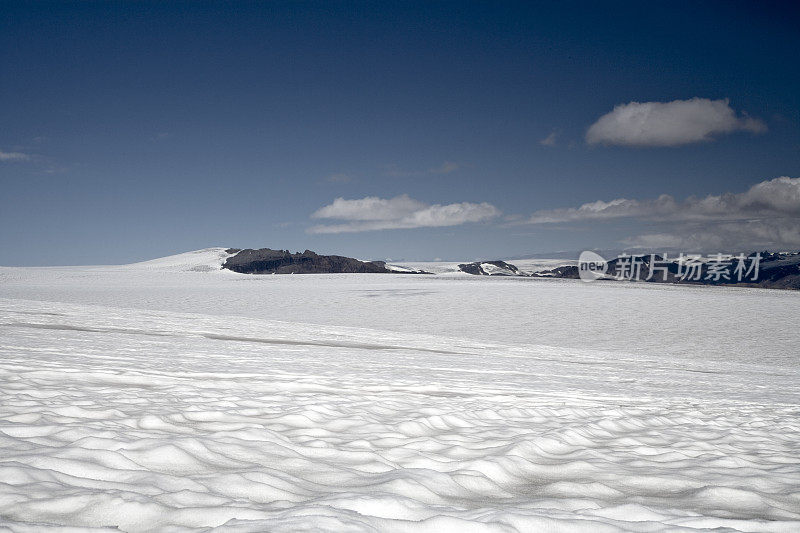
column 173, row 396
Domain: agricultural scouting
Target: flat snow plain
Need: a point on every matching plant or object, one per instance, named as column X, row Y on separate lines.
column 171, row 396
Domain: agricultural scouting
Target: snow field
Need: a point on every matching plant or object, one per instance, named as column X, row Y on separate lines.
column 363, row 403
column 162, row 421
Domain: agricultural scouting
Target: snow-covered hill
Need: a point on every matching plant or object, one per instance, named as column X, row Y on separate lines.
column 206, row 260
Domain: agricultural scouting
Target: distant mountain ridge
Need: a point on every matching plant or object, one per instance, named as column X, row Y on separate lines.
column 776, row 270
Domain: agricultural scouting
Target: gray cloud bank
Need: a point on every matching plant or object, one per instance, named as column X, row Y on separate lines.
column 779, row 197
column 766, row 215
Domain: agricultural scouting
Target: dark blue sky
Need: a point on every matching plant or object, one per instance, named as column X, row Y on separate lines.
column 136, row 130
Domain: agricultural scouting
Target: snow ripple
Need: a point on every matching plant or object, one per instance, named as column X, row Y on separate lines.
column 157, row 421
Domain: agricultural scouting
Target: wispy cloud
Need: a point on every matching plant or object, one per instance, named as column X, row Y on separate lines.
column 550, row 140
column 13, row 156
column 767, row 214
column 445, row 168
column 401, row 212
column 339, row 178
column 670, row 123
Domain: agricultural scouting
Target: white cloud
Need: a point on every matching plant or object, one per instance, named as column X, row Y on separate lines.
column 401, row 212
column 550, row 140
column 669, row 123
column 13, row 156
column 779, row 197
column 370, row 208
column 621, row 207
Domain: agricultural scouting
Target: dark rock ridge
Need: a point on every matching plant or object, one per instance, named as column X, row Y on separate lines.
column 776, row 271
column 267, row 261
column 477, row 269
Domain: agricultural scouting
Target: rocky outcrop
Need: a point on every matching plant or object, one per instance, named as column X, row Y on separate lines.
column 268, row 261
column 562, row 272
column 490, row 268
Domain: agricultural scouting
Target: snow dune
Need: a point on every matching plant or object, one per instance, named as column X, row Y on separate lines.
column 119, row 410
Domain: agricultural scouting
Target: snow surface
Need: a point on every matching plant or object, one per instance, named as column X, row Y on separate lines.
column 173, row 396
